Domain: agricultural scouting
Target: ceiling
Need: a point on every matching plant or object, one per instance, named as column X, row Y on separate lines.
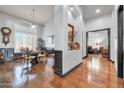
column 89, row 11
column 43, row 13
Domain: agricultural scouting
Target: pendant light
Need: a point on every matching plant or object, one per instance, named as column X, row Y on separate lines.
column 33, row 25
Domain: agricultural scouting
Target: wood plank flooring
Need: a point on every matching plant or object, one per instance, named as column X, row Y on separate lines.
column 94, row 72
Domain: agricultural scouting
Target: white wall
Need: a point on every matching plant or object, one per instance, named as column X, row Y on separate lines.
column 114, row 35
column 104, row 21
column 83, row 37
column 48, row 30
column 73, row 58
column 10, row 21
column 39, row 32
column 84, row 40
column 62, row 18
column 107, row 21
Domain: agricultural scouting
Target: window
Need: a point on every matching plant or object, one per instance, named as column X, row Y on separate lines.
column 25, row 38
column 50, row 41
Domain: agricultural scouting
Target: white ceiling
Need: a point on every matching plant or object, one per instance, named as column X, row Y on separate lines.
column 43, row 13
column 89, row 11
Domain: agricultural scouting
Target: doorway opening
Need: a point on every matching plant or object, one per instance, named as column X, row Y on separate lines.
column 98, row 42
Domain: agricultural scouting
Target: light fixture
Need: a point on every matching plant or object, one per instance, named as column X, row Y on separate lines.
column 98, row 10
column 33, row 25
column 71, row 9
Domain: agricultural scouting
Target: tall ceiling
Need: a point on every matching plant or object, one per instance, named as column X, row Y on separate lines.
column 89, row 11
column 43, row 13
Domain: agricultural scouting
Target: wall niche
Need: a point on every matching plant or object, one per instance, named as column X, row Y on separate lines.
column 72, row 44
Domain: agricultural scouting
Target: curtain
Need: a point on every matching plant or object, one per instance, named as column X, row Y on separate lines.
column 25, row 39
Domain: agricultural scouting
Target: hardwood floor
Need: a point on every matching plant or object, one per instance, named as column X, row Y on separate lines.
column 94, row 72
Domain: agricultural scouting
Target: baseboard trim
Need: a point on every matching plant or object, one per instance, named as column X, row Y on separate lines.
column 65, row 74
column 112, row 61
column 58, row 73
column 84, row 57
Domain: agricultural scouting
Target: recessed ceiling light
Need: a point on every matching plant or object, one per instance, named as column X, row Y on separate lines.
column 33, row 26
column 71, row 8
column 98, row 10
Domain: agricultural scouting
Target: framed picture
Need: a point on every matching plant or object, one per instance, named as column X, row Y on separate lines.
column 70, row 36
